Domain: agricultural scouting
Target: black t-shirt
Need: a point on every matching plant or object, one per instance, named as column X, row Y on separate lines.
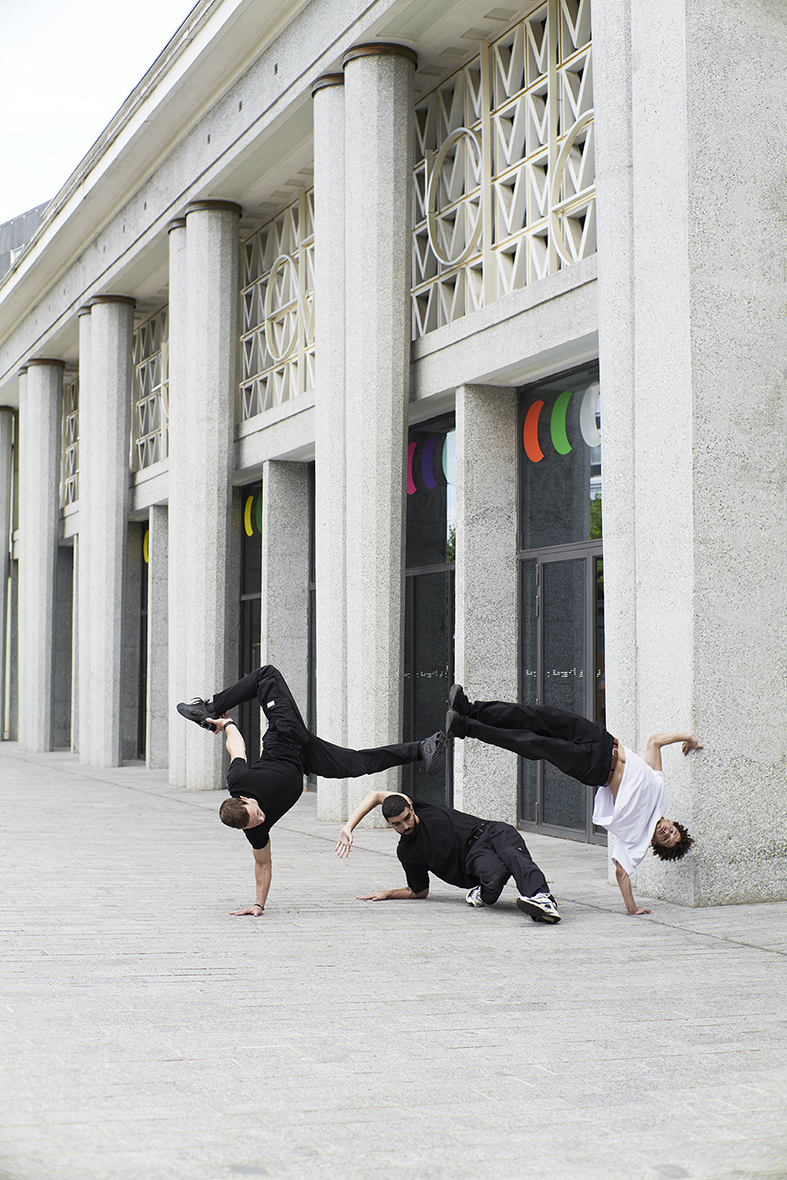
column 438, row 845
column 277, row 785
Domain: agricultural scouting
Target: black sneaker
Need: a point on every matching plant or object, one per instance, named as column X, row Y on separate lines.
column 454, row 724
column 431, row 751
column 197, row 712
column 457, row 700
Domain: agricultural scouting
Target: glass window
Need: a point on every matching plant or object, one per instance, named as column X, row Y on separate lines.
column 250, row 608
column 431, row 493
column 560, row 467
column 429, row 594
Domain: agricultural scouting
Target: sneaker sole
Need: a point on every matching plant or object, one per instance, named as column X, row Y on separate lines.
column 536, row 913
column 437, row 761
column 184, row 712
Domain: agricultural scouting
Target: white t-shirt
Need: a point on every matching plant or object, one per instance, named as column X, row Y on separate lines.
column 632, row 817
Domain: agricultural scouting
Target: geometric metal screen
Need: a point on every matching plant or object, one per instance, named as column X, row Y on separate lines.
column 150, row 406
column 504, row 190
column 69, row 444
column 277, row 310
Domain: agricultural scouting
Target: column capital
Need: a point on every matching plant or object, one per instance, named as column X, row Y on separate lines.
column 23, row 371
column 7, row 409
column 176, row 223
column 327, row 80
column 43, row 360
column 213, row 206
column 381, row 49
column 85, row 309
column 112, row 299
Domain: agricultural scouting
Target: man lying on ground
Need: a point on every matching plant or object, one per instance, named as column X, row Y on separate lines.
column 631, row 798
column 264, row 792
column 478, row 855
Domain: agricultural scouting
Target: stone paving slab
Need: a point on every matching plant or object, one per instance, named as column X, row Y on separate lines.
column 146, row 1033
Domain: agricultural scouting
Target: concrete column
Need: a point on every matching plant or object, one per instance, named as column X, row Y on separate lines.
column 74, row 736
column 485, row 778
column 285, row 574
column 330, row 513
column 202, row 437
column 612, row 69
column 378, row 171
column 40, row 410
column 156, row 743
column 708, row 442
column 178, row 517
column 82, row 653
column 104, row 421
column 7, row 415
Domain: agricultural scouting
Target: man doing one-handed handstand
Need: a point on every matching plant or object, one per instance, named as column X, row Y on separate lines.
column 631, row 797
column 264, row 792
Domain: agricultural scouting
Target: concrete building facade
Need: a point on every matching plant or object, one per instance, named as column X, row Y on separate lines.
column 310, row 362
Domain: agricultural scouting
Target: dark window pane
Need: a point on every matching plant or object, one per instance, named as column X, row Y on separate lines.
column 565, row 684
column 250, row 647
column 528, row 672
column 429, row 640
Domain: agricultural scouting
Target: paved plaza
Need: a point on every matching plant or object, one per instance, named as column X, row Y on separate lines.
column 145, row 1033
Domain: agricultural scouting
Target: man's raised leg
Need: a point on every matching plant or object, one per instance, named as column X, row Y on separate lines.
column 580, row 748
column 329, row 761
column 268, row 686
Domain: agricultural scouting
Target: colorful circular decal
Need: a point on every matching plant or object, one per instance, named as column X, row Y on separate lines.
column 530, row 433
column 426, row 462
column 558, row 423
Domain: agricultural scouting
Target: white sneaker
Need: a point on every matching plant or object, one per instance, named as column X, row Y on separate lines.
column 541, row 907
column 474, row 896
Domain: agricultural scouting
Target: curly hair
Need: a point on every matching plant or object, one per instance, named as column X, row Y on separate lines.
column 233, row 813
column 679, row 850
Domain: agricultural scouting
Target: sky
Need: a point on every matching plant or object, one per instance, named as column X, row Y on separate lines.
column 68, row 65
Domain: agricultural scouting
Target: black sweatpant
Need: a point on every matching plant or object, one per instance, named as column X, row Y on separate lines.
column 578, row 747
column 499, row 853
column 287, row 734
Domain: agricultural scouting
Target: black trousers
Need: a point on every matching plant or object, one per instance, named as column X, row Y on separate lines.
column 578, row 747
column 287, row 735
column 499, row 853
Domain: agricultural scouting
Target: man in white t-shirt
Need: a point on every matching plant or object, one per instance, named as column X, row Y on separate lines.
column 631, row 798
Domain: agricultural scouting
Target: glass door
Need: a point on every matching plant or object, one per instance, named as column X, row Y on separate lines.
column 429, row 595
column 562, row 665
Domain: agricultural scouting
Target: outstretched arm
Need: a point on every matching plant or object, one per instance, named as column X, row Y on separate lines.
column 624, row 881
column 263, row 870
column 372, row 800
column 657, row 740
column 406, row 894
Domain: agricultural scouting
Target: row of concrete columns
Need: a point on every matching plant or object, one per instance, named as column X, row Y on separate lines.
column 363, row 149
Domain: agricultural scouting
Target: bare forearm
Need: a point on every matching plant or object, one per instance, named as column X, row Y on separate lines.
column 236, row 747
column 406, row 894
column 668, row 739
column 372, row 800
column 624, row 882
column 262, row 881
